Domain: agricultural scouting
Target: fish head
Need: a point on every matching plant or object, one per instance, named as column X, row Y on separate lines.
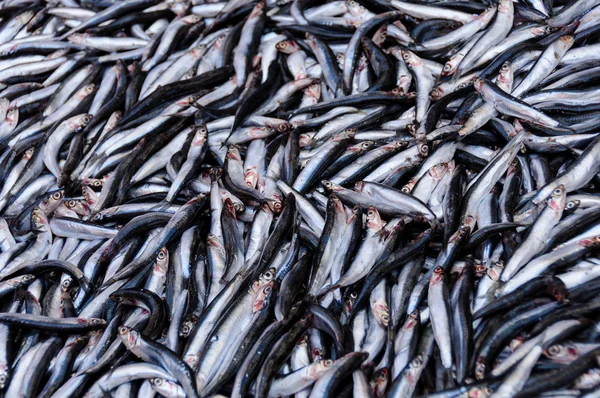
column 572, row 205
column 478, row 84
column 362, row 147
column 413, row 319
column 398, row 90
column 480, row 392
column 562, row 353
column 437, row 276
column 191, row 19
column 316, row 354
column 450, row 66
column 317, row 369
column 12, row 116
column 128, row 336
column 263, row 296
column 263, row 279
column 77, row 38
column 200, row 136
column 95, row 183
column 414, row 368
column 411, row 59
column 39, row 219
column 480, row 369
column 85, row 91
column 438, row 171
column 285, row 126
column 374, row 220
column 349, row 301
column 558, row 199
column 4, row 369
column 233, row 153
column 505, row 76
column 93, row 322
column 330, row 186
column 495, row 270
column 77, row 206
column 187, row 326
column 505, row 6
column 161, row 264
column 423, row 149
column 408, row 187
column 52, row 201
column 480, row 270
column 191, row 360
column 381, row 313
column 65, row 282
column 340, row 57
column 287, row 46
column 380, row 381
column 345, row 134
column 567, row 41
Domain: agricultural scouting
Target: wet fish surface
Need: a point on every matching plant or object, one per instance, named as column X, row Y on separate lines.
column 290, row 198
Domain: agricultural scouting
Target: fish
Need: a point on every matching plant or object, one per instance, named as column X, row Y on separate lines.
column 283, row 198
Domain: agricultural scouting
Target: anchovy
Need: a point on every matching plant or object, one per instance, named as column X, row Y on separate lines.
column 289, row 197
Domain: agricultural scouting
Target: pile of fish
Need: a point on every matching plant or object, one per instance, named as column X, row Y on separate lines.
column 284, row 198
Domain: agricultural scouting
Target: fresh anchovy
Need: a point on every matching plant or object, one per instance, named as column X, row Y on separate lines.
column 299, row 198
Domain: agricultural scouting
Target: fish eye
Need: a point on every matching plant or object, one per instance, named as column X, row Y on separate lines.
column 353, row 295
column 417, row 361
column 385, row 318
column 123, row 329
column 557, row 191
column 446, row 68
column 161, row 255
column 97, row 183
column 553, row 350
column 328, row 362
column 570, row 205
column 56, row 195
column 268, row 275
column 267, row 289
column 438, row 270
column 157, row 381
column 71, row 203
column 424, row 148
